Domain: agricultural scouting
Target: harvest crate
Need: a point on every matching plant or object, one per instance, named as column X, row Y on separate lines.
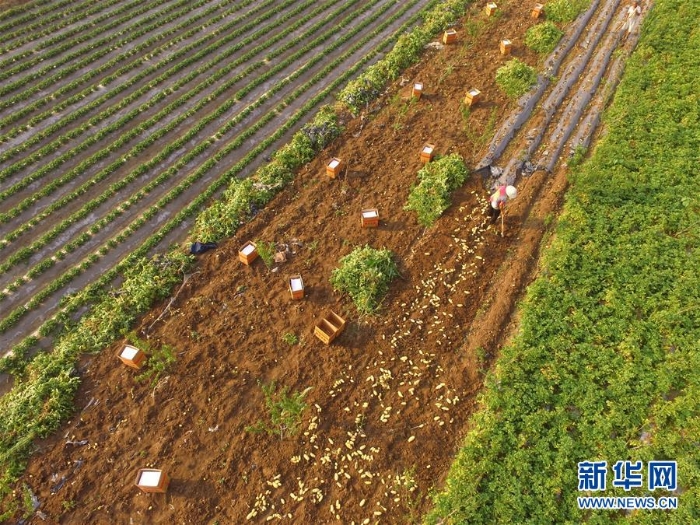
column 472, row 97
column 537, row 11
column 152, row 480
column 333, row 167
column 329, row 327
column 449, row 37
column 506, row 46
column 248, row 253
column 370, row 218
column 417, row 90
column 490, row 8
column 132, row 356
column 426, row 154
column 296, row 287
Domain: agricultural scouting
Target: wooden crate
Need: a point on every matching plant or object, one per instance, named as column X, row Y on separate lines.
column 329, row 327
column 370, row 218
column 427, row 152
column 296, row 287
column 490, row 8
column 537, row 11
column 248, row 253
column 506, row 46
column 449, row 37
column 472, row 97
column 417, row 90
column 152, row 480
column 333, row 167
column 132, row 356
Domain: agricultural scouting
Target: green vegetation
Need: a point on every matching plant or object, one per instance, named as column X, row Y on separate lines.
column 432, row 195
column 605, row 366
column 543, row 38
column 285, row 411
column 160, row 359
column 515, row 78
column 365, row 274
column 266, row 251
column 290, row 338
column 564, row 11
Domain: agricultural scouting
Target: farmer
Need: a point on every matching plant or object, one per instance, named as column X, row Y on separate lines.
column 498, row 200
column 633, row 15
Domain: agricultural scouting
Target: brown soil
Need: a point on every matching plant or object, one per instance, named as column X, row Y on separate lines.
column 390, row 398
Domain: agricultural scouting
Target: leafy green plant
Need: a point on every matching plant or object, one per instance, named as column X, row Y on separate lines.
column 564, row 11
column 159, row 361
column 432, row 195
column 578, row 156
column 290, row 338
column 285, row 411
column 365, row 274
column 266, row 251
column 543, row 38
column 515, row 78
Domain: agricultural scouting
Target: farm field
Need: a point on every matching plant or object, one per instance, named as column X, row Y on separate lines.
column 117, row 120
column 390, row 400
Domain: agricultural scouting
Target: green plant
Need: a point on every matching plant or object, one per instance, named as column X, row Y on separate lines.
column 290, row 338
column 68, row 505
column 27, row 501
column 432, row 195
column 159, row 361
column 365, row 274
column 266, row 251
column 578, row 156
column 564, row 11
column 312, row 245
column 515, row 78
column 543, row 38
column 285, row 411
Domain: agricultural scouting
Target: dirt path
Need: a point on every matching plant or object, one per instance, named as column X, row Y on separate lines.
column 390, row 399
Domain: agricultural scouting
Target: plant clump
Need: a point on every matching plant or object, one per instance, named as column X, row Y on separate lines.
column 438, row 179
column 564, row 11
column 515, row 78
column 365, row 274
column 285, row 411
column 543, row 38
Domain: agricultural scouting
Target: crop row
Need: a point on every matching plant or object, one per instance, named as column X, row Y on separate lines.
column 62, row 37
column 169, row 110
column 135, row 31
column 93, row 139
column 202, row 147
column 63, row 43
column 605, row 363
column 117, row 75
column 69, row 70
column 40, row 14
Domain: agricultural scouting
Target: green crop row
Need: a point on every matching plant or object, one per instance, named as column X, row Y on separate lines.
column 605, row 364
column 117, row 75
column 64, row 42
column 60, row 282
column 40, row 14
column 152, row 102
column 136, row 31
column 68, row 70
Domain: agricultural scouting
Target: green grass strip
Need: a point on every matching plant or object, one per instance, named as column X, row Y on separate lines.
column 605, row 365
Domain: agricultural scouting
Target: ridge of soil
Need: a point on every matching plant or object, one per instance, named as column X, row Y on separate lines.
column 389, row 400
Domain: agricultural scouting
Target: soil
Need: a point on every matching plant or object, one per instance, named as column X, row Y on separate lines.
column 389, row 400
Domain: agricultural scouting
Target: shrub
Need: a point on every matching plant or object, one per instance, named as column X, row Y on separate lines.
column 564, row 11
column 431, row 197
column 365, row 274
column 515, row 78
column 543, row 38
